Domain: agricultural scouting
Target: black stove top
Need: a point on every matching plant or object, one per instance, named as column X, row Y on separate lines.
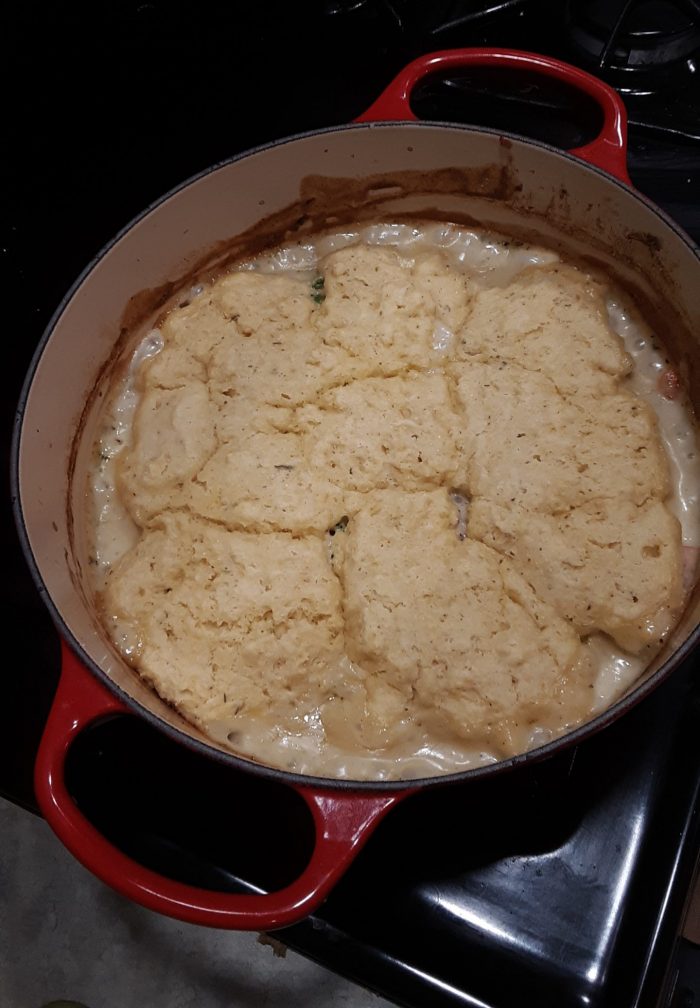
column 561, row 884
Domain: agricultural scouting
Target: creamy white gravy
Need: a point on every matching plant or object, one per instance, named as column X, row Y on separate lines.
column 493, row 261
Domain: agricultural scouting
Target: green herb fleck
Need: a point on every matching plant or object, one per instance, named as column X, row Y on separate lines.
column 318, row 294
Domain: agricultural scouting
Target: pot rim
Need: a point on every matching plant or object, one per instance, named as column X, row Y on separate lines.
column 567, row 740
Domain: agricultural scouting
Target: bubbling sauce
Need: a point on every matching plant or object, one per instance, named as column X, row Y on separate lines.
column 489, row 260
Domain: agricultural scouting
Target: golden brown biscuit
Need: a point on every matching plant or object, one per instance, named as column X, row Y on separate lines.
column 266, row 483
column 173, row 436
column 608, row 565
column 388, row 315
column 383, row 432
column 272, row 352
column 530, row 446
column 230, row 624
column 550, row 319
column 449, row 625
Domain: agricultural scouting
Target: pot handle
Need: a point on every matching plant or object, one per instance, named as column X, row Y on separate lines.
column 343, row 821
column 609, row 149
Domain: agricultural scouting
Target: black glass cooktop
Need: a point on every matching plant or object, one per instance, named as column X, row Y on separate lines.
column 561, row 884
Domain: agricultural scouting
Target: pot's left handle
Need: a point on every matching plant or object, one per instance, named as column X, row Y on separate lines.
column 343, row 820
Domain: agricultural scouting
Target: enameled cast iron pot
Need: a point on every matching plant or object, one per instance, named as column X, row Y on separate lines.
column 581, row 200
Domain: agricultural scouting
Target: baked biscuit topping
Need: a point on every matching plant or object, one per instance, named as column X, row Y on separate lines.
column 450, row 627
column 303, row 585
column 231, row 623
column 552, row 320
column 607, row 565
column 529, row 445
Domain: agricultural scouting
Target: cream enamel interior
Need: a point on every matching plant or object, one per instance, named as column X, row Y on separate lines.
column 560, row 200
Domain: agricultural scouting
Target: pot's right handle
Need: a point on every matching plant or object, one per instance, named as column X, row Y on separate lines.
column 609, row 149
column 343, row 821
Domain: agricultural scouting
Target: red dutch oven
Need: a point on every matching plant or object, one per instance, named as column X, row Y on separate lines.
column 580, row 200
